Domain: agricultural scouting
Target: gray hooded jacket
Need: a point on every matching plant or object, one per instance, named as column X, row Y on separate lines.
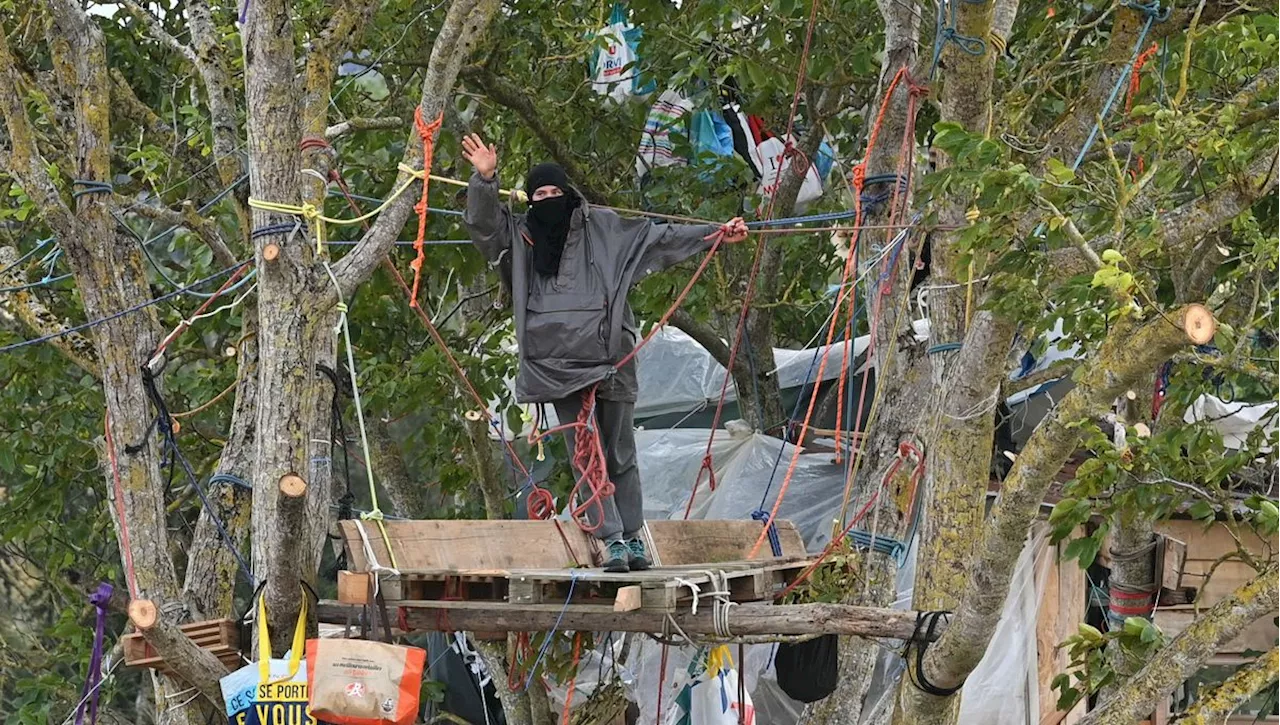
column 573, row 328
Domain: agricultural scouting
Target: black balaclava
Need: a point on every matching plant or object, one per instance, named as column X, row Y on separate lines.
column 548, row 219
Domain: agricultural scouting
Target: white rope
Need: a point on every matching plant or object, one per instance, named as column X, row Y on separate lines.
column 72, row 716
column 986, row 406
column 372, row 558
column 694, row 589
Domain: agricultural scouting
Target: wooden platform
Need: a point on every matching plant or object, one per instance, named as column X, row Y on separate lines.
column 528, row 563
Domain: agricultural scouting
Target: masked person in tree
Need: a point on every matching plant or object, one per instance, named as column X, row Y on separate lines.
column 572, row 265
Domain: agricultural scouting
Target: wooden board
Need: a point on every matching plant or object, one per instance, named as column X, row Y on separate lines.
column 219, row 636
column 453, row 545
column 1061, row 609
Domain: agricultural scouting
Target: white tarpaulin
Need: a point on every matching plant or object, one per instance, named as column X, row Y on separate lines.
column 1234, row 421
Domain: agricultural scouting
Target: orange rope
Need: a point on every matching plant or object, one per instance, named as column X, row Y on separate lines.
column 426, row 132
column 1135, row 77
column 859, row 180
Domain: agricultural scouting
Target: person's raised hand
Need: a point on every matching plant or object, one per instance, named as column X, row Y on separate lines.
column 483, row 158
column 734, row 230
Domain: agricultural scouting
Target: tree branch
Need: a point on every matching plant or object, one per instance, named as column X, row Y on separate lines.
column 462, row 27
column 23, row 158
column 157, row 33
column 189, row 218
column 199, row 667
column 211, row 574
column 1217, row 705
column 1060, row 369
column 1180, row 659
column 704, row 335
column 1128, row 353
column 26, row 308
column 511, row 96
column 363, row 124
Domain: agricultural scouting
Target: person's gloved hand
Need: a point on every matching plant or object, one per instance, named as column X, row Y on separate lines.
column 734, row 230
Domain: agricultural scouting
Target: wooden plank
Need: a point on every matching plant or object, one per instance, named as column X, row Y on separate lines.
column 456, row 545
column 707, row 542
column 627, row 599
column 1172, row 557
column 353, row 587
column 220, row 636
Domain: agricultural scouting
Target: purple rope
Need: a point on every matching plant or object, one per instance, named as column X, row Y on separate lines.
column 99, row 600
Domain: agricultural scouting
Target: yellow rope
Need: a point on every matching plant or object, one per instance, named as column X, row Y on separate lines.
column 315, row 215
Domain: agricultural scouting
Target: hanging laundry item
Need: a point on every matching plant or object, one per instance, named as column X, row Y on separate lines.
column 824, row 160
column 773, row 158
column 743, row 144
column 656, row 148
column 270, row 690
column 710, row 134
column 615, row 64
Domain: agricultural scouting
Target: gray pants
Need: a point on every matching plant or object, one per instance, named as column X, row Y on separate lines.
column 615, row 421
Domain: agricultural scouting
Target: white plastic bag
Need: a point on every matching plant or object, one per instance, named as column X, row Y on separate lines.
column 711, row 696
column 769, row 158
column 612, row 76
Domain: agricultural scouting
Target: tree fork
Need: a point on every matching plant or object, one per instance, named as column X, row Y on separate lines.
column 1129, row 352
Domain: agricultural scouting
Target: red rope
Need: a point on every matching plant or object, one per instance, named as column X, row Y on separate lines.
column 573, row 678
column 1135, row 77
column 182, row 326
column 130, row 576
column 426, row 132
column 755, row 270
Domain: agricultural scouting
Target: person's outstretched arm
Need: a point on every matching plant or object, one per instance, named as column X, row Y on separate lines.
column 486, row 217
column 663, row 245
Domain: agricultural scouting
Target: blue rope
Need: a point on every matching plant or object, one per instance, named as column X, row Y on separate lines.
column 944, row 347
column 39, row 245
column 122, row 313
column 42, row 283
column 1154, row 14
column 230, row 478
column 88, row 187
column 217, row 522
column 827, row 217
column 866, row 540
column 573, row 579
column 775, row 543
column 432, row 209
column 945, row 31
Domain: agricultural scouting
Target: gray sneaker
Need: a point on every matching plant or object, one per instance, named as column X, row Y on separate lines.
column 639, row 559
column 617, row 556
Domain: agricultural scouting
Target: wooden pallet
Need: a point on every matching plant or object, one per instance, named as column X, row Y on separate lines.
column 219, row 636
column 661, row 589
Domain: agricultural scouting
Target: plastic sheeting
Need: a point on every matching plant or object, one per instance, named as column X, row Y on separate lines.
column 1004, row 688
column 744, row 465
column 1234, row 421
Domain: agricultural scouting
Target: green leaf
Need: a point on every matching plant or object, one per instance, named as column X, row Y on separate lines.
column 1059, row 171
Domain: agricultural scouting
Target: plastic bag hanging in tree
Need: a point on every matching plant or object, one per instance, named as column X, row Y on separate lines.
column 773, row 156
column 809, row 671
column 615, row 61
column 711, row 698
column 270, row 691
